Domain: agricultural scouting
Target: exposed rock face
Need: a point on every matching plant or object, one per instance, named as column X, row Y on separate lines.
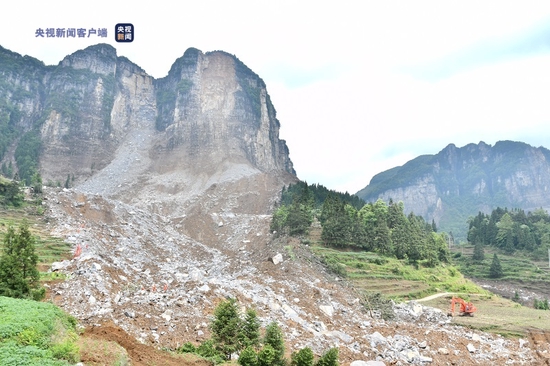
column 201, row 144
column 214, row 109
column 459, row 182
column 210, row 108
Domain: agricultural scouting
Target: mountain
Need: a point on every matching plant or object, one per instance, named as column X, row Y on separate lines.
column 209, row 106
column 169, row 210
column 459, row 182
column 98, row 122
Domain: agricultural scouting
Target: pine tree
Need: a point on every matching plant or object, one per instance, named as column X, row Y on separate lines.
column 36, row 183
column 19, row 276
column 267, row 356
column 382, row 238
column 337, row 226
column 226, row 327
column 329, row 358
column 248, row 357
column 250, row 331
column 303, row 357
column 299, row 219
column 479, row 252
column 496, row 269
column 274, row 338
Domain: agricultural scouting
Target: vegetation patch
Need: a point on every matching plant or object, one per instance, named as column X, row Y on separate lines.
column 398, row 279
column 36, row 333
column 497, row 315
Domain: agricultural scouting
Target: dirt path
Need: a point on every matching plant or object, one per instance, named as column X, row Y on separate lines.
column 435, row 296
column 441, row 294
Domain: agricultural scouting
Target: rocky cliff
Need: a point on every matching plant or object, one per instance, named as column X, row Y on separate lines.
column 458, row 182
column 210, row 106
column 99, row 122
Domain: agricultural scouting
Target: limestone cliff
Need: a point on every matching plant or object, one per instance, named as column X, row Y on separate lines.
column 72, row 118
column 200, row 146
column 458, row 182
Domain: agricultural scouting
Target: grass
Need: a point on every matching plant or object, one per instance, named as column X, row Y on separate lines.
column 395, row 278
column 516, row 266
column 497, row 315
column 48, row 248
column 103, row 352
column 36, row 333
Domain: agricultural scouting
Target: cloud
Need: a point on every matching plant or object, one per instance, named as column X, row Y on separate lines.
column 297, row 77
column 534, row 41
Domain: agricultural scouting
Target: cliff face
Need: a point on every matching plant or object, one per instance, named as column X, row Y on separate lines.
column 71, row 119
column 214, row 108
column 458, row 182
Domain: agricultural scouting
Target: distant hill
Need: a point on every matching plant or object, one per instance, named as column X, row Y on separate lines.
column 459, row 182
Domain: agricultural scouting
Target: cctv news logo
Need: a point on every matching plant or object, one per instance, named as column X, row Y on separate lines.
column 124, row 32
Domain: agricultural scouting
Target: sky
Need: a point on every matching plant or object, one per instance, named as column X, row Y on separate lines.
column 359, row 86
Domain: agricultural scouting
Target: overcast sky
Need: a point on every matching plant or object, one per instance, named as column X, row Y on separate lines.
column 359, row 86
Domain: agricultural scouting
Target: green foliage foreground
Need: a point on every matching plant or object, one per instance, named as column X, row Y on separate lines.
column 36, row 333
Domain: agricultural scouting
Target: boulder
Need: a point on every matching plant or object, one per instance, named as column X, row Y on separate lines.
column 327, row 309
column 56, row 266
column 277, row 258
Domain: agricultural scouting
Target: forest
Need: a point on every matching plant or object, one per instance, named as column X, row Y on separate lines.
column 349, row 223
column 512, row 230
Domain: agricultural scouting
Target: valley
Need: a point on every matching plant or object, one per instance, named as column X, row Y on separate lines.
column 171, row 186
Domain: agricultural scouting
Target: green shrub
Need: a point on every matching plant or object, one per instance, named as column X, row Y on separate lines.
column 267, row 356
column 329, row 358
column 208, row 350
column 66, row 350
column 187, row 348
column 303, row 357
column 248, row 357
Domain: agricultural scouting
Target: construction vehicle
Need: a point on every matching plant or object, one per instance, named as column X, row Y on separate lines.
column 466, row 308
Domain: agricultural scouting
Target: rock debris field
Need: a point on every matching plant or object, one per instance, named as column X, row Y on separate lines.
column 139, row 271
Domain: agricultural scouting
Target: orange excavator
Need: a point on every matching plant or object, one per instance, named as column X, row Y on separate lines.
column 466, row 308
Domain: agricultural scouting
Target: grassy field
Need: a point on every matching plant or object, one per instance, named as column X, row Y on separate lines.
column 401, row 281
column 395, row 278
column 497, row 315
column 36, row 333
column 517, row 266
column 49, row 249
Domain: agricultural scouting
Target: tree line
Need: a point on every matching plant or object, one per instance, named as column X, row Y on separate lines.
column 377, row 227
column 512, row 230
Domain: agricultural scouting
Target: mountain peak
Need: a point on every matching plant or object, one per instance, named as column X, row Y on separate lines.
column 100, row 59
column 209, row 120
column 458, row 182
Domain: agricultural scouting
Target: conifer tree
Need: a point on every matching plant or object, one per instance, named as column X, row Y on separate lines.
column 274, row 338
column 248, row 357
column 267, row 356
column 496, row 269
column 250, row 331
column 303, row 357
column 329, row 358
column 226, row 327
column 19, row 276
column 479, row 252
